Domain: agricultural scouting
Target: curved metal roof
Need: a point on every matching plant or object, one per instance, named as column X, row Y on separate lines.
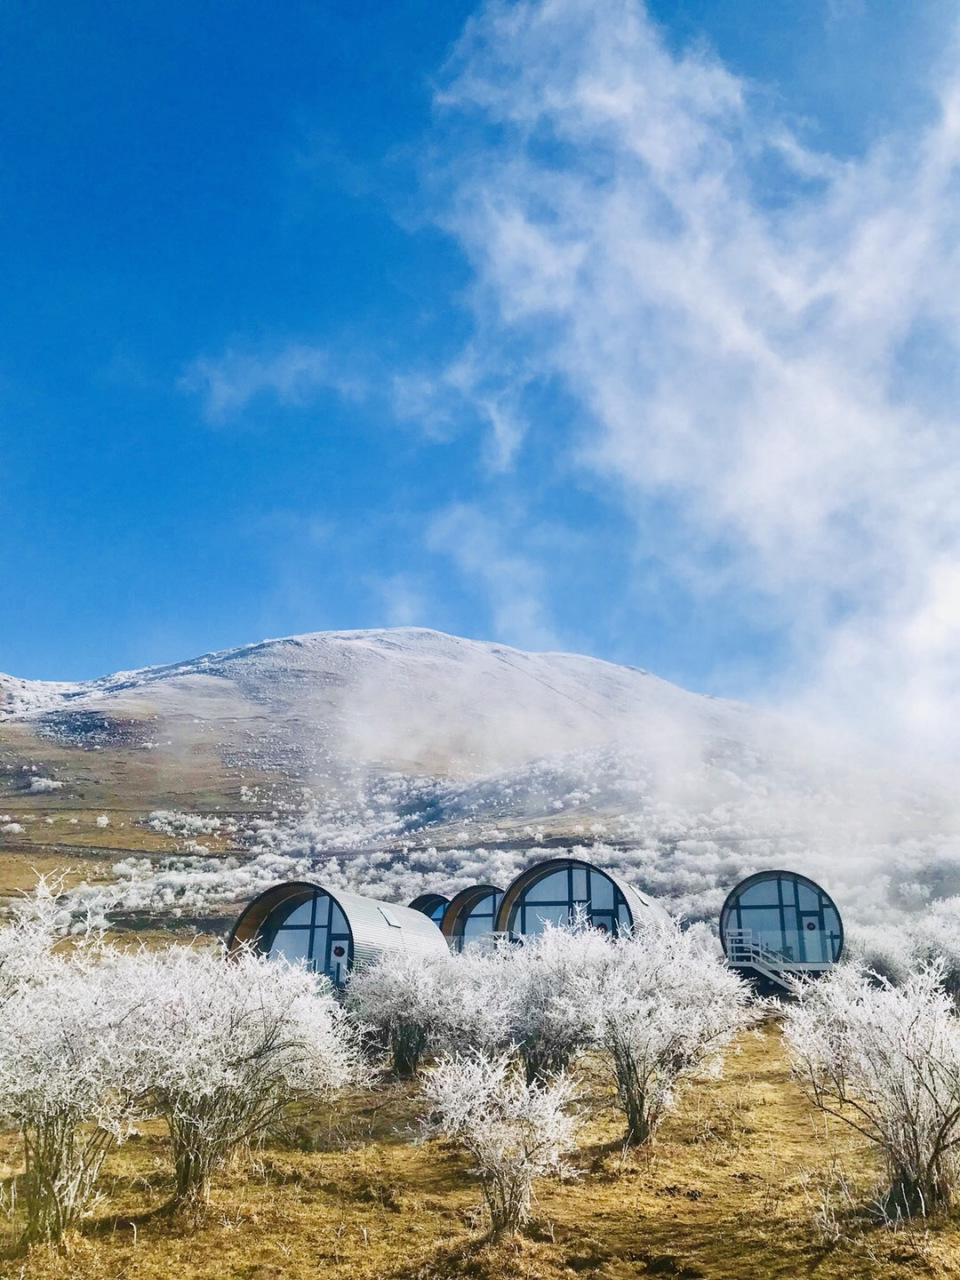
column 641, row 907
column 376, row 927
column 462, row 903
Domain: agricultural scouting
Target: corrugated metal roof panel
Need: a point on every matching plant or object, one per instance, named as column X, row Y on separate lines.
column 373, row 935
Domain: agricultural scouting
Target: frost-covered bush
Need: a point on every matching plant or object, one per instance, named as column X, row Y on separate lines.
column 36, row 921
column 39, row 785
column 514, row 1130
column 884, row 950
column 406, row 999
column 542, row 986
column 664, row 1008
column 937, row 941
column 420, row 1005
column 896, row 951
column 886, row 1060
column 226, row 1044
column 70, row 1081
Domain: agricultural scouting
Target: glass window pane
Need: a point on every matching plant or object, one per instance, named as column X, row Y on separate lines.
column 765, row 923
column 604, row 921
column 809, row 899
column 552, row 888
column 536, row 916
column 579, row 884
column 601, row 891
column 292, row 944
column 762, row 894
column 323, row 908
column 338, row 922
column 301, row 914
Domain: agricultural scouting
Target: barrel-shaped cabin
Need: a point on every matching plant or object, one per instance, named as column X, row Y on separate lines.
column 780, row 925
column 330, row 930
column 560, row 890
column 471, row 915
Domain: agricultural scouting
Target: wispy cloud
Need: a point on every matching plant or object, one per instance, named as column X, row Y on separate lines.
column 292, row 375
column 510, row 579
column 760, row 333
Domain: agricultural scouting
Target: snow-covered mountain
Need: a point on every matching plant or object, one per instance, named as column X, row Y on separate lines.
column 403, row 758
column 411, row 699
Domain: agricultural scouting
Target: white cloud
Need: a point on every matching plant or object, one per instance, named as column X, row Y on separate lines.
column 511, row 580
column 293, row 375
column 757, row 332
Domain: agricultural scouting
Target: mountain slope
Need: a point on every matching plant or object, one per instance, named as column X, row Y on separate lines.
column 396, row 759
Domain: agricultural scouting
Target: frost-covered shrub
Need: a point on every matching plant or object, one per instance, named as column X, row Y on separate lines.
column 886, row 1060
column 515, row 1131
column 428, row 1004
column 41, row 786
column 884, row 950
column 937, row 941
column 70, row 1082
column 226, row 1044
column 406, row 999
column 664, row 1008
column 541, row 985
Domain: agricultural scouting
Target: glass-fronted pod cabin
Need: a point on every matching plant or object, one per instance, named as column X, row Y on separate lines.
column 332, row 931
column 778, row 925
column 560, row 889
column 471, row 915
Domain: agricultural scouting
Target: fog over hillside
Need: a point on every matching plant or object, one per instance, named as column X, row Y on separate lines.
column 391, row 760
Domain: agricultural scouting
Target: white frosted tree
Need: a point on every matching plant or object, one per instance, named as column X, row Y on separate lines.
column 886, row 1060
column 226, row 1044
column 406, row 1000
column 421, row 1005
column 541, row 994
column 664, row 1008
column 70, row 1082
column 514, row 1130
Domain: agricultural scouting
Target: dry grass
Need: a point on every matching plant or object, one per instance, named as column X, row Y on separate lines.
column 746, row 1183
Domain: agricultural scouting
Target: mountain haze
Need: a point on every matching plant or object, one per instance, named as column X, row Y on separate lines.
column 394, row 759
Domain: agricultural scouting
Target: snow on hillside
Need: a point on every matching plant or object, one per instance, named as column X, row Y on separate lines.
column 410, row 698
column 416, row 758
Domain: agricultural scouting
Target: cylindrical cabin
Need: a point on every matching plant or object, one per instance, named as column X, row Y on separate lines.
column 471, row 915
column 332, row 931
column 432, row 905
column 780, row 924
column 560, row 888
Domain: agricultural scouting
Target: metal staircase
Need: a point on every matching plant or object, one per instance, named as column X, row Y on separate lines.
column 744, row 951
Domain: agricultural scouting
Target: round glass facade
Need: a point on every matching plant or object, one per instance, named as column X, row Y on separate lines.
column 563, row 892
column 309, row 929
column 433, row 905
column 785, row 916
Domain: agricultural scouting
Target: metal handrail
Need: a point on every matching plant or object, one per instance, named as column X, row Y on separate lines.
column 743, row 948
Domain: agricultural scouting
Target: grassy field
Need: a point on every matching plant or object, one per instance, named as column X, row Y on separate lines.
column 746, row 1182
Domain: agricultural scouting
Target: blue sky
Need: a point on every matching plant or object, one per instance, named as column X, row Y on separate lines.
column 575, row 325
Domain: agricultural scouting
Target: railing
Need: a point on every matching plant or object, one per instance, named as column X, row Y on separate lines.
column 744, row 948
